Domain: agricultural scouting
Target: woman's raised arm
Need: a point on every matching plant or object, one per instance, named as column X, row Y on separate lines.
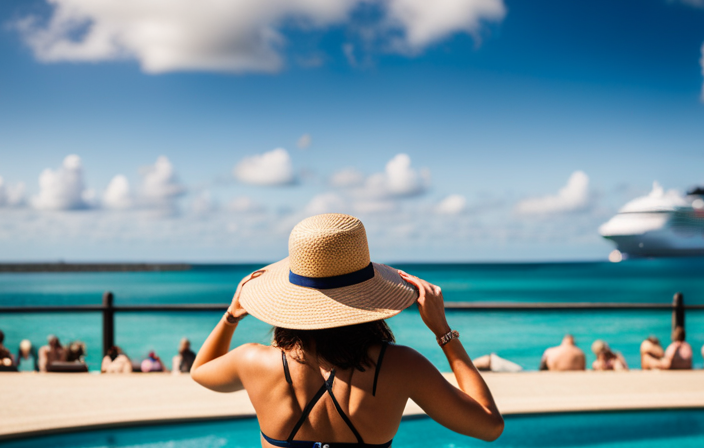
column 215, row 367
column 469, row 410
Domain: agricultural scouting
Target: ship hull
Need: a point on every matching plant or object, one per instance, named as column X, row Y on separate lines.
column 659, row 244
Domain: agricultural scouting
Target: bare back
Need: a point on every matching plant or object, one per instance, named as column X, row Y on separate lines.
column 565, row 357
column 279, row 405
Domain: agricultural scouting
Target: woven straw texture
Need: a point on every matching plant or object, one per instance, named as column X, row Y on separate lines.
column 325, row 246
column 328, row 245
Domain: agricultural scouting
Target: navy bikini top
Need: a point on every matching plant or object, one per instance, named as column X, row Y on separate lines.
column 327, row 387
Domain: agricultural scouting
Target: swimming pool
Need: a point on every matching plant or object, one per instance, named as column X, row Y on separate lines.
column 643, row 429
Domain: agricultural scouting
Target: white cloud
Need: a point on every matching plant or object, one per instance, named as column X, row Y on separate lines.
column 326, row 203
column 399, row 179
column 212, row 35
column 244, row 204
column 572, row 197
column 453, row 204
column 381, row 192
column 229, row 36
column 426, row 22
column 63, row 189
column 346, row 178
column 118, row 195
column 160, row 185
column 402, row 180
column 203, row 204
column 348, row 50
column 11, row 196
column 271, row 168
column 305, row 141
column 378, row 206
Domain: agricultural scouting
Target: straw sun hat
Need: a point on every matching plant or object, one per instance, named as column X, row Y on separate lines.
column 327, row 280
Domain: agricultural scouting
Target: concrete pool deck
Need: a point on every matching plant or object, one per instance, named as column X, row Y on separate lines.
column 34, row 404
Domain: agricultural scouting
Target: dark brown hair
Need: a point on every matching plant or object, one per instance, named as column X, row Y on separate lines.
column 678, row 334
column 342, row 347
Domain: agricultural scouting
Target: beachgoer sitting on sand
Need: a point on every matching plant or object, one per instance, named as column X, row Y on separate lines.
column 6, row 361
column 27, row 357
column 565, row 356
column 53, row 352
column 153, row 364
column 606, row 359
column 115, row 361
column 678, row 355
column 651, row 352
column 76, row 352
column 184, row 360
column 4, row 352
column 333, row 374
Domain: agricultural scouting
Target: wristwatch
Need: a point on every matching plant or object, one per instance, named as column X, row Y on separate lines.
column 444, row 339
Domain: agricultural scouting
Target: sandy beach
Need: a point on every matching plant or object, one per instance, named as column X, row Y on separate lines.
column 50, row 403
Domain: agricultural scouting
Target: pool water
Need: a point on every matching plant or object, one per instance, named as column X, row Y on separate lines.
column 641, row 429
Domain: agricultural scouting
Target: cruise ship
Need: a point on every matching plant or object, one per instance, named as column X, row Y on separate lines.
column 661, row 224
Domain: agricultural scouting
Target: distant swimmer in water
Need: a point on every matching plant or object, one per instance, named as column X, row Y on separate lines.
column 651, row 352
column 607, row 359
column 566, row 356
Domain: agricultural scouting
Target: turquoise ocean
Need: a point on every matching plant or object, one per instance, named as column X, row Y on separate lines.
column 520, row 336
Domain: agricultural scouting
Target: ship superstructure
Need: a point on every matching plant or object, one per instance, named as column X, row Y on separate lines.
column 660, row 224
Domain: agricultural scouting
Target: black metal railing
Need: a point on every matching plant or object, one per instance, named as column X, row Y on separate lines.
column 108, row 309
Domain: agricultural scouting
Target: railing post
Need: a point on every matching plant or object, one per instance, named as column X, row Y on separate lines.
column 108, row 322
column 677, row 311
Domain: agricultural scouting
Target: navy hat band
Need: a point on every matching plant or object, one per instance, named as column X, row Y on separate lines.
column 337, row 281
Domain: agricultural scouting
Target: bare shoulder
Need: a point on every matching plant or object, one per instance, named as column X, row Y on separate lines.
column 407, row 362
column 256, row 354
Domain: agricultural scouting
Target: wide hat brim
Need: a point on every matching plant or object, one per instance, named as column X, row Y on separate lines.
column 270, row 297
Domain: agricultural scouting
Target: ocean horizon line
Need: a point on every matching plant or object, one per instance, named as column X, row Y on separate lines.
column 130, row 266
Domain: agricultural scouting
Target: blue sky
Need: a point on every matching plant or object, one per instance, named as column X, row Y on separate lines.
column 497, row 105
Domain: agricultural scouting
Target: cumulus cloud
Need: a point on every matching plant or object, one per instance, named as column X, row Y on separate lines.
column 326, row 203
column 572, row 197
column 348, row 50
column 212, row 35
column 11, row 196
column 118, row 195
column 244, row 204
column 203, row 204
column 399, row 179
column 235, row 36
column 271, row 168
column 380, row 192
column 375, row 206
column 63, row 189
column 346, row 178
column 453, row 204
column 305, row 141
column 161, row 186
column 424, row 22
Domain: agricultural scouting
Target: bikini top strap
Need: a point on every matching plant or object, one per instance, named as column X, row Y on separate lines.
column 378, row 365
column 287, row 374
column 306, row 411
column 328, row 385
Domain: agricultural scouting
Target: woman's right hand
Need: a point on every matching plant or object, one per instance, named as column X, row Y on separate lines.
column 430, row 304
